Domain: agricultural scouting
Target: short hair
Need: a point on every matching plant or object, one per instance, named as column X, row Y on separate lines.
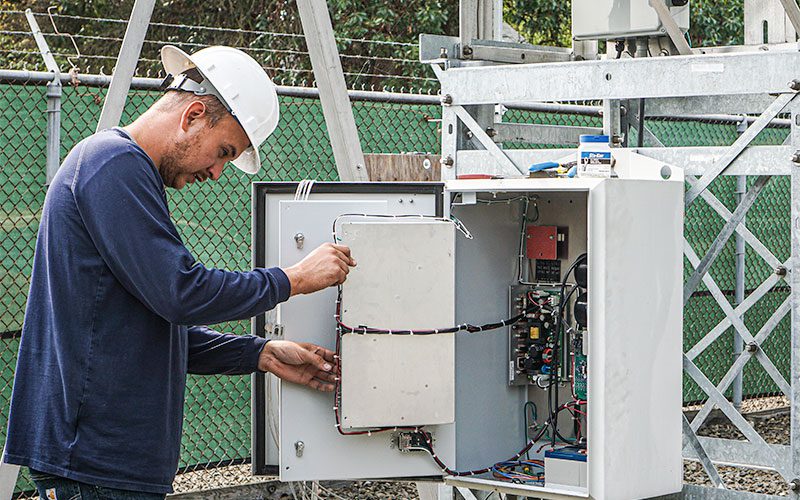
column 173, row 99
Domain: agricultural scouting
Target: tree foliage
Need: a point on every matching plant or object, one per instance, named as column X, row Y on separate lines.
column 547, row 22
column 364, row 30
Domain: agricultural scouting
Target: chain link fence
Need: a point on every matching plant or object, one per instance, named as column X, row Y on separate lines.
column 214, row 220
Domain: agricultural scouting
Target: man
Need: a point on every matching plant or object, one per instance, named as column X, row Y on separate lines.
column 111, row 322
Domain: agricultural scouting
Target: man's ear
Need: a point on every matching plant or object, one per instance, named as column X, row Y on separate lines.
column 192, row 114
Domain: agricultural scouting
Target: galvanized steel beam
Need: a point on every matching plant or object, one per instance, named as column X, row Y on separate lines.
column 540, row 134
column 734, row 416
column 762, row 290
column 741, row 229
column 510, row 167
column 739, row 145
column 649, row 77
column 126, row 64
column 700, row 452
column 794, row 280
column 737, row 453
column 332, row 90
column 737, row 323
column 755, row 160
column 744, row 357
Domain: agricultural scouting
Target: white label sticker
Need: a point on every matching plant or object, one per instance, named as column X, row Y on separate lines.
column 708, row 68
column 51, row 494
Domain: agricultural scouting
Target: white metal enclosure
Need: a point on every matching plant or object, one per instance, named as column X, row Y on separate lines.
column 632, row 231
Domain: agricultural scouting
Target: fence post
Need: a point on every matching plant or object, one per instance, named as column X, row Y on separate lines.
column 53, row 152
column 53, row 128
column 738, row 343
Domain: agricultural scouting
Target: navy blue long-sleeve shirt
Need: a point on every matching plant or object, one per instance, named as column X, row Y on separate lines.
column 107, row 342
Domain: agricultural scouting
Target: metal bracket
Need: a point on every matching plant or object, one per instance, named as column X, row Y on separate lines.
column 273, row 330
column 507, row 52
column 673, row 30
column 486, row 141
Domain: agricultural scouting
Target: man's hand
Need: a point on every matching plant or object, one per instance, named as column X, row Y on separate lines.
column 327, row 265
column 301, row 363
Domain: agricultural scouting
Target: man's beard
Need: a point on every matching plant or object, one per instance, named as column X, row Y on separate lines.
column 172, row 163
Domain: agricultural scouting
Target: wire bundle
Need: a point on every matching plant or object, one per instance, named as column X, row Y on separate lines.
column 520, row 471
column 513, row 469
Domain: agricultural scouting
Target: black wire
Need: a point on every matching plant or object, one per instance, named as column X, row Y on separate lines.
column 553, row 386
column 620, row 48
column 640, row 127
column 363, row 329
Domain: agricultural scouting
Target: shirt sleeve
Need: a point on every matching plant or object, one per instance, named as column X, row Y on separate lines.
column 126, row 215
column 215, row 353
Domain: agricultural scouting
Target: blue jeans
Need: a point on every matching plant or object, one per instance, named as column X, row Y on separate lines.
column 61, row 488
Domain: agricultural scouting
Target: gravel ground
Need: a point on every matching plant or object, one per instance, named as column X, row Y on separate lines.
column 773, row 428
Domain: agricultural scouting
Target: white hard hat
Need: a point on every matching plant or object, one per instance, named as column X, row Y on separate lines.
column 240, row 84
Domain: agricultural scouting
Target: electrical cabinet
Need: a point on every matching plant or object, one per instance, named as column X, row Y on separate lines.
column 480, row 395
column 619, row 19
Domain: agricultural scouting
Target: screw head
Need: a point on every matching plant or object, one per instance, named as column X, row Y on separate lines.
column 447, row 160
column 752, row 347
column 467, row 50
column 491, row 132
column 794, row 485
column 447, row 99
column 781, row 271
column 794, row 85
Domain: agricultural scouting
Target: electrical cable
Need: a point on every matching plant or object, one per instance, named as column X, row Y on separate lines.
column 553, row 385
column 532, row 405
column 640, row 125
column 532, row 471
column 507, row 469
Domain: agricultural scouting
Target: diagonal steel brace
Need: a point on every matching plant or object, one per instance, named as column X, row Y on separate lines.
column 742, row 360
column 735, row 417
column 737, row 322
column 705, row 461
column 745, row 233
column 485, row 140
column 727, row 231
column 762, row 290
column 739, row 145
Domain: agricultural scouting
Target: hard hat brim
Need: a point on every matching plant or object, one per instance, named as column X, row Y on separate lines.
column 175, row 62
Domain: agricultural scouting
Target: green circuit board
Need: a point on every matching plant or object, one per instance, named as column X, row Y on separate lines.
column 580, row 376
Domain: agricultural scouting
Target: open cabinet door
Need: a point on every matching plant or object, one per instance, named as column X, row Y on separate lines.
column 635, row 311
column 294, row 428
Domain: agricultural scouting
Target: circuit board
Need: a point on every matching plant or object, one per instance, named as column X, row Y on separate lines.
column 581, row 371
column 531, row 340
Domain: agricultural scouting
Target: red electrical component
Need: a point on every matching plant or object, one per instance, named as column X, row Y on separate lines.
column 541, row 242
